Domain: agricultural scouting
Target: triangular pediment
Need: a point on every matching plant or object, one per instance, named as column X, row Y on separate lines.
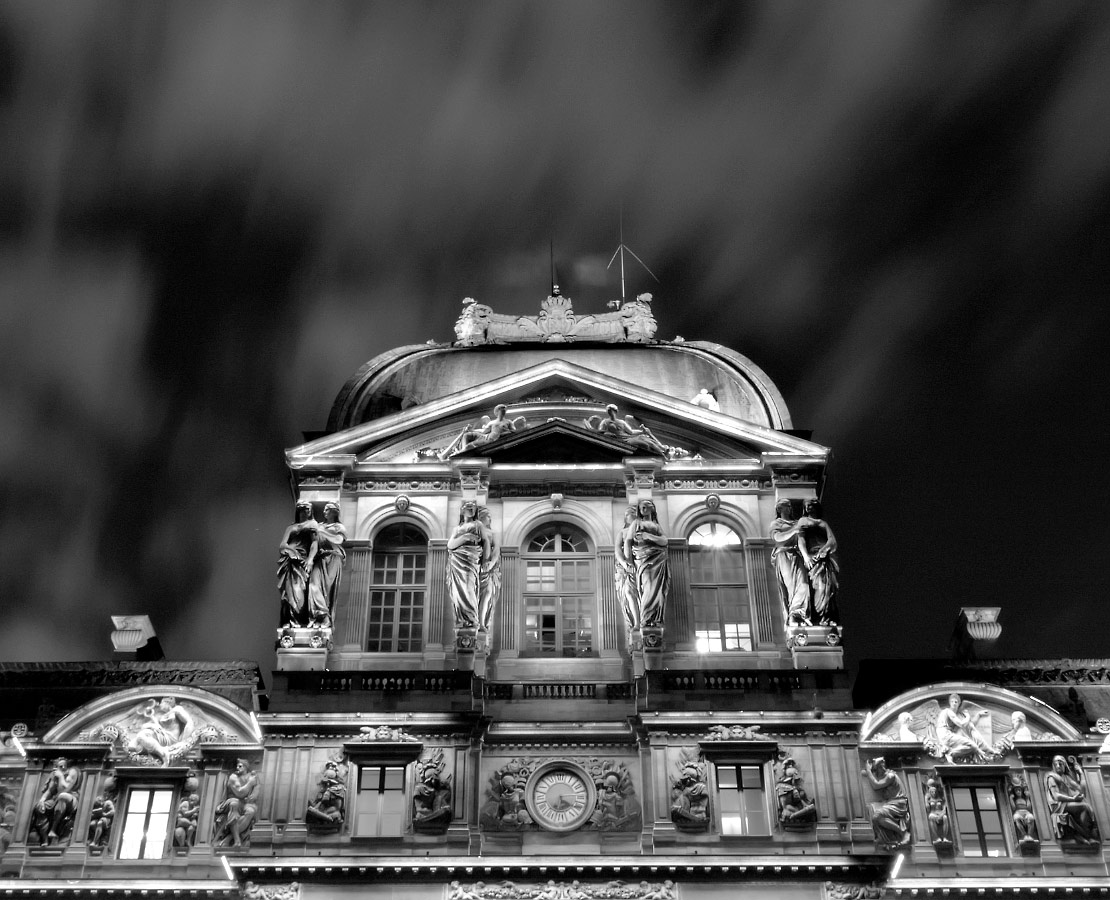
column 558, row 442
column 578, row 393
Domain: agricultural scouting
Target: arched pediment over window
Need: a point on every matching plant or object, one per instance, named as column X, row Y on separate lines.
column 158, row 724
column 963, row 722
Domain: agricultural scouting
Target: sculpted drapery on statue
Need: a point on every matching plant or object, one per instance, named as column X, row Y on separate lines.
column 646, row 546
column 890, row 819
column 624, row 572
column 638, row 437
column 806, row 565
column 53, row 815
column 237, row 811
column 297, row 550
column 327, row 568
column 489, row 578
column 468, row 551
column 790, row 567
column 817, row 545
column 1073, row 819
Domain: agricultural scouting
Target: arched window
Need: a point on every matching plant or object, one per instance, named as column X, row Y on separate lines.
column 560, row 593
column 719, row 589
column 398, row 590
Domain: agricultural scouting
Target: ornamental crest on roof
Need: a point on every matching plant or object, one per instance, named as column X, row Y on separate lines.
column 631, row 322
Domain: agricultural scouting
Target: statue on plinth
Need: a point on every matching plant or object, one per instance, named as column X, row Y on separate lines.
column 817, row 546
column 103, row 814
column 297, row 549
column 624, row 572
column 936, row 811
column 327, row 567
column 646, row 545
column 489, row 577
column 468, row 550
column 790, row 567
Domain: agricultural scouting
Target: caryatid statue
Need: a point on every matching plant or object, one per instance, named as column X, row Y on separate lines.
column 790, row 567
column 646, row 546
column 468, row 550
column 298, row 549
column 489, row 578
column 818, row 546
column 327, row 569
column 624, row 572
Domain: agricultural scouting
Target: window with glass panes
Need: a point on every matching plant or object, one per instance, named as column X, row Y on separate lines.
column 380, row 801
column 559, row 592
column 719, row 589
column 741, row 799
column 978, row 820
column 146, row 823
column 398, row 588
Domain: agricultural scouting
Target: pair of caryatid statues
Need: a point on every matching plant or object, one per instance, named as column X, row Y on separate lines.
column 806, row 565
column 473, row 568
column 641, row 574
column 310, row 566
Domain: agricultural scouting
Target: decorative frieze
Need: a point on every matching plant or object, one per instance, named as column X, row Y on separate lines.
column 717, row 484
column 392, row 485
column 562, row 890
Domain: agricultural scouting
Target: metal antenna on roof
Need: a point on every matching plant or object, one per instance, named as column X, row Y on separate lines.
column 621, row 248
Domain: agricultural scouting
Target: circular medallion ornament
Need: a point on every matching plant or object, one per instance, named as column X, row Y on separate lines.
column 560, row 796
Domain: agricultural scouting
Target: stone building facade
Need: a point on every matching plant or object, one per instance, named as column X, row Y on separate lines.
column 558, row 621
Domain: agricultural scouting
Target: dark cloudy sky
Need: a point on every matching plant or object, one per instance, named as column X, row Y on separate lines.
column 212, row 213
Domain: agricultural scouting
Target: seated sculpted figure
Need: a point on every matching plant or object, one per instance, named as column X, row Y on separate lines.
column 890, row 819
column 237, row 811
column 165, row 730
column 53, row 815
column 325, row 813
column 1073, row 819
column 958, row 735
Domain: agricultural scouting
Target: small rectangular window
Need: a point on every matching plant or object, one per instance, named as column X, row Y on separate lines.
column 741, row 799
column 146, row 823
column 978, row 820
column 380, row 804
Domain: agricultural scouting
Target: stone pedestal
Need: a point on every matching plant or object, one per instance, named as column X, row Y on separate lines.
column 302, row 649
column 815, row 646
column 466, row 647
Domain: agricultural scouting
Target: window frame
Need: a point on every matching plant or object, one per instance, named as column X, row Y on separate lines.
column 740, row 764
column 1001, row 809
column 397, row 589
column 738, row 615
column 123, row 816
column 381, row 767
column 585, row 602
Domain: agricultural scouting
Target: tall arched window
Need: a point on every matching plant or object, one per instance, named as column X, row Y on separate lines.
column 719, row 589
column 560, row 593
column 398, row 590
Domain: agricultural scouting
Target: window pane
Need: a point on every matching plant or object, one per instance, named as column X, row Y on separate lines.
column 146, row 824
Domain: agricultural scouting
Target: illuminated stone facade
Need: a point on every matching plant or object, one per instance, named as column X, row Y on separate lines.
column 558, row 620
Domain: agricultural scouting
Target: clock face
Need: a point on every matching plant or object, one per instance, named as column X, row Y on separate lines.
column 561, row 798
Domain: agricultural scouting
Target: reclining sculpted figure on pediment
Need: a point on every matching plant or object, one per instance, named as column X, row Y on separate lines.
column 488, row 431
column 963, row 731
column 160, row 732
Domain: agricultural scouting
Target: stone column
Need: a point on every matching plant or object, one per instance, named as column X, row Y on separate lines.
column 439, row 620
column 610, row 616
column 353, row 604
column 763, row 594
column 508, row 607
column 680, row 625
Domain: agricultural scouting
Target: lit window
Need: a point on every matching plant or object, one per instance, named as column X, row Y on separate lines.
column 978, row 821
column 719, row 589
column 380, row 805
column 741, row 798
column 146, row 824
column 559, row 592
column 397, row 590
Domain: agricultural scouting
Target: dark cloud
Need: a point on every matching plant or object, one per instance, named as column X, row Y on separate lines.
column 211, row 214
